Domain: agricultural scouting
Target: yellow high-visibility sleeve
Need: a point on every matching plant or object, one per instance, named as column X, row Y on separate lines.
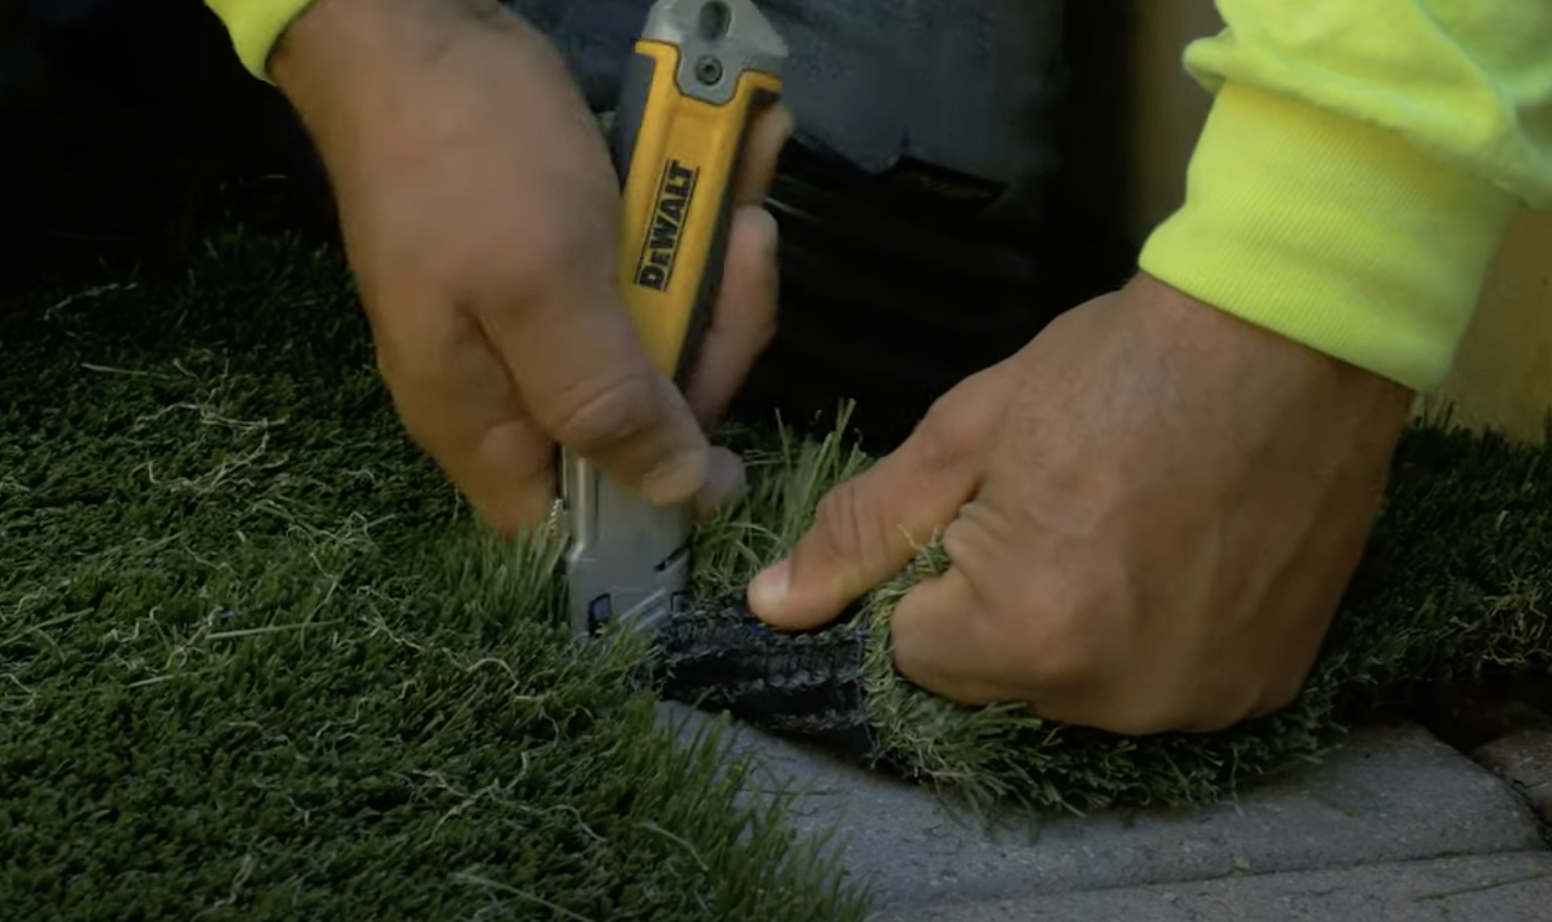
column 1358, row 170
column 255, row 26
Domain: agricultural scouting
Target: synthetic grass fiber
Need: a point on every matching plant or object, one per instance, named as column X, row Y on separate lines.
column 257, row 661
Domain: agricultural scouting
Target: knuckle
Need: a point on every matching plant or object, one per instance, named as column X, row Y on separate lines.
column 1038, row 648
column 1058, row 642
column 603, row 412
column 412, row 387
column 427, row 430
column 1058, row 658
column 839, row 521
column 912, row 658
column 945, row 438
column 516, row 268
column 419, row 428
column 510, row 291
column 404, row 391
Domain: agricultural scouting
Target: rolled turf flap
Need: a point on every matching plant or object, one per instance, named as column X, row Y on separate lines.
column 1456, row 580
column 810, row 684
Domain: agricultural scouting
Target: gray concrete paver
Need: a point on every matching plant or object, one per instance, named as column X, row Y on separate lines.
column 1524, row 759
column 1515, row 887
column 1386, row 795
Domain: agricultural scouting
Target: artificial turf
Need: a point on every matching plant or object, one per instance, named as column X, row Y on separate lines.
column 257, row 661
column 1455, row 585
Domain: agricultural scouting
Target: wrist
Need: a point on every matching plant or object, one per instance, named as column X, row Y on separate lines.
column 332, row 41
column 343, row 56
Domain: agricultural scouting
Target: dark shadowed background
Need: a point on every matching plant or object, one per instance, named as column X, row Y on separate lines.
column 131, row 130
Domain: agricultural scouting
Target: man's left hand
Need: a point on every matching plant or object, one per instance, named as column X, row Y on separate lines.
column 1152, row 512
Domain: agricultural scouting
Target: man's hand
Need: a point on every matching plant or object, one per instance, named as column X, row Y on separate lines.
column 1152, row 512
column 480, row 214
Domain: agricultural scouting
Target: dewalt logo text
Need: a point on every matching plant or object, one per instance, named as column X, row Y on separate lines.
column 675, row 192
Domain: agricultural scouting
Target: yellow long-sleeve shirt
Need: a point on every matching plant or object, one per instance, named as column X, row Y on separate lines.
column 1360, row 165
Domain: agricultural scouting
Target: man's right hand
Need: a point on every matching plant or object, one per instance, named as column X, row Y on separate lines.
column 480, row 214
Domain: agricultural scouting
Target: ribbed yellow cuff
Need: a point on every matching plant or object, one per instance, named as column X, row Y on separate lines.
column 255, row 26
column 1334, row 233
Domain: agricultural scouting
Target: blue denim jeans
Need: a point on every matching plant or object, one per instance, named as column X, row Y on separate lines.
column 967, row 85
column 66, row 12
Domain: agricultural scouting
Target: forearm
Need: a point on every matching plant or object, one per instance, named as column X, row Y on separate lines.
column 1359, row 168
column 352, row 68
column 258, row 27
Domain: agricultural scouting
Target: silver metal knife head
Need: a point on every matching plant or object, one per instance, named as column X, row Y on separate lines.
column 628, row 560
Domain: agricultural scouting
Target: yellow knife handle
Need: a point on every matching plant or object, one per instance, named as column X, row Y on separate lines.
column 701, row 73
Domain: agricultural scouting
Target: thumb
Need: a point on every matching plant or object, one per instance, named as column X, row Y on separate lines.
column 603, row 399
column 868, row 529
column 588, row 381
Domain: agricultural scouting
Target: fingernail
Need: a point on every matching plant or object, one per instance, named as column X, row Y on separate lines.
column 677, row 479
column 769, row 590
